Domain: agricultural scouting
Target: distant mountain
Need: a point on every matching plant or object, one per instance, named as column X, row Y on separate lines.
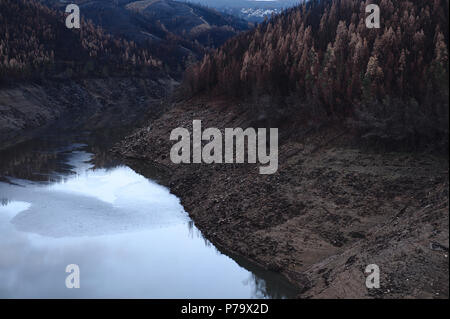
column 173, row 31
column 254, row 14
column 208, row 26
column 247, row 3
column 250, row 10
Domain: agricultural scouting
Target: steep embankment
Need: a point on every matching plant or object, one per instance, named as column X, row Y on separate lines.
column 331, row 209
column 28, row 109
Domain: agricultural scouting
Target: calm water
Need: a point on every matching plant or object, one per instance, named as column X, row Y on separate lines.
column 129, row 235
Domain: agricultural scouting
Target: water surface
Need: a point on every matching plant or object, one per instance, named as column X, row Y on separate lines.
column 129, row 235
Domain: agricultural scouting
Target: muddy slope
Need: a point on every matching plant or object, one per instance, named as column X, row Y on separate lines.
column 27, row 110
column 331, row 209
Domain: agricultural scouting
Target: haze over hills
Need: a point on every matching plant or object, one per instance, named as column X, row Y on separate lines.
column 251, row 10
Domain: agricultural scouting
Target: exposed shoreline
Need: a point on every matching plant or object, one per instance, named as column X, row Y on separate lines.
column 28, row 109
column 330, row 210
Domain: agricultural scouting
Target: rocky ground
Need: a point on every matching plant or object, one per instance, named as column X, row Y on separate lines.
column 332, row 208
column 26, row 110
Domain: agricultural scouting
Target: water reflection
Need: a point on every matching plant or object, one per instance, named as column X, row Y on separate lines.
column 130, row 236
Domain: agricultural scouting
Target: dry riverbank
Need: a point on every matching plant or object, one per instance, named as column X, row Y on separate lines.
column 331, row 209
column 26, row 110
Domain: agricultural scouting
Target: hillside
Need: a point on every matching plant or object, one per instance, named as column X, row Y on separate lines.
column 332, row 208
column 174, row 32
column 363, row 120
column 54, row 76
column 319, row 61
column 36, row 44
column 188, row 19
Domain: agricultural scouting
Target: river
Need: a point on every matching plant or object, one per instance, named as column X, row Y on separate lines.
column 64, row 200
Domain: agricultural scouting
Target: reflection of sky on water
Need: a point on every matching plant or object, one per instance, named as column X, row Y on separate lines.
column 129, row 235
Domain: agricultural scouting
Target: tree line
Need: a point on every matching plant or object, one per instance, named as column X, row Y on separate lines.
column 35, row 43
column 321, row 60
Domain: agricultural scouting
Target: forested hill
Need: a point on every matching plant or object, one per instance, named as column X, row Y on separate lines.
column 35, row 43
column 321, row 61
column 173, row 31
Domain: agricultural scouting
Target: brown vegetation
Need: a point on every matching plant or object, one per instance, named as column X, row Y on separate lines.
column 36, row 44
column 320, row 60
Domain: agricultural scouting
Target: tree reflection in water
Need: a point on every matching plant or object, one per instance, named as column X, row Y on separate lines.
column 4, row 201
column 46, row 160
column 265, row 284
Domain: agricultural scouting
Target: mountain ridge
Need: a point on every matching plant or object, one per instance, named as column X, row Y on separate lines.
column 175, row 32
